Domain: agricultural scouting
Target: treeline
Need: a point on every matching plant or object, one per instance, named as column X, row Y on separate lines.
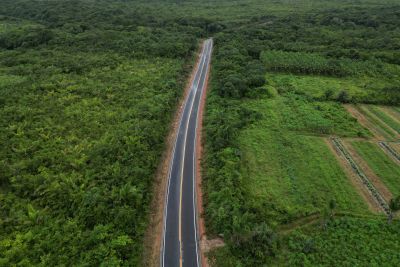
column 309, row 63
column 335, row 33
column 132, row 29
column 236, row 75
column 309, row 43
column 87, row 91
column 26, row 37
column 239, row 75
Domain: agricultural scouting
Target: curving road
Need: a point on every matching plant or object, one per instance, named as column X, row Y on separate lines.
column 180, row 237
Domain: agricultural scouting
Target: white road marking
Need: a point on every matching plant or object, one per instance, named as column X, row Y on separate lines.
column 202, row 59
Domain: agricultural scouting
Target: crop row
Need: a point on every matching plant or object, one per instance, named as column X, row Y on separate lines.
column 386, row 146
column 381, row 201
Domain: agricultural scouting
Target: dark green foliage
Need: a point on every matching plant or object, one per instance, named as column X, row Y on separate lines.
column 344, row 241
column 307, row 63
column 238, row 74
column 87, row 89
column 26, row 37
column 87, row 93
column 395, row 204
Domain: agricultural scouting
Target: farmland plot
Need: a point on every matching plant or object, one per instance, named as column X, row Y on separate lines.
column 387, row 170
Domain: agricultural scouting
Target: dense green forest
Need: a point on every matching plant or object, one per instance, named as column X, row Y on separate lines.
column 88, row 90
column 87, row 93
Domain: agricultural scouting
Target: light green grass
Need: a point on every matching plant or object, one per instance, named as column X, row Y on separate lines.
column 300, row 115
column 381, row 164
column 316, row 86
column 296, row 174
column 383, row 128
column 394, row 124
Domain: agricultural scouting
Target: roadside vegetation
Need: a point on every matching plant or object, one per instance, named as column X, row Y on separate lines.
column 88, row 90
column 268, row 165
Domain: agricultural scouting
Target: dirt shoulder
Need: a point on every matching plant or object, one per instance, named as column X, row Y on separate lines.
column 153, row 236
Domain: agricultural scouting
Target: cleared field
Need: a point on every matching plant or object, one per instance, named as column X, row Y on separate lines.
column 296, row 174
column 387, row 170
column 385, row 117
column 298, row 114
column 391, row 111
column 317, row 86
column 387, row 131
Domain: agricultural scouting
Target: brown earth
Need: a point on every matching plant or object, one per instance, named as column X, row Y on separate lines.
column 378, row 135
column 391, row 113
column 396, row 146
column 153, row 235
column 354, row 179
column 383, row 124
column 208, row 244
column 374, row 179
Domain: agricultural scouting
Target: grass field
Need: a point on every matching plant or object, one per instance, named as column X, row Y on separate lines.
column 298, row 114
column 317, row 86
column 381, row 164
column 385, row 117
column 295, row 173
column 388, row 132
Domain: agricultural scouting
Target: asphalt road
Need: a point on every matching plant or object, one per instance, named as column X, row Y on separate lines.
column 180, row 245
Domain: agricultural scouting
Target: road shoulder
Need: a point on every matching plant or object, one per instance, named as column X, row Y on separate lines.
column 152, row 239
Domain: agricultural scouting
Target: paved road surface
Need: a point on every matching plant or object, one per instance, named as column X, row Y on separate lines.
column 180, row 237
